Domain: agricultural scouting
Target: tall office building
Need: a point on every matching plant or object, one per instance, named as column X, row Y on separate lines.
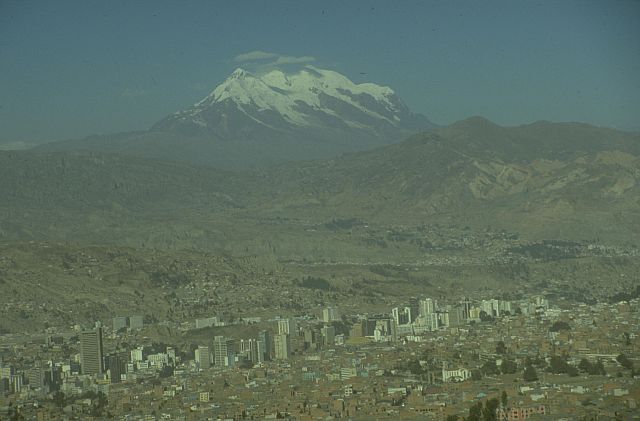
column 330, row 314
column 456, row 316
column 427, row 306
column 117, row 366
column 120, row 322
column 443, row 318
column 223, row 352
column 401, row 316
column 136, row 322
column 203, row 357
column 431, row 320
column 6, row 371
column 328, row 335
column 287, row 326
column 137, row 354
column 35, row 375
column 265, row 338
column 282, row 346
column 252, row 350
column 91, row 353
column 414, row 306
column 466, row 308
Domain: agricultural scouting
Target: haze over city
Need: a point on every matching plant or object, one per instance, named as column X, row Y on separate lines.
column 320, row 210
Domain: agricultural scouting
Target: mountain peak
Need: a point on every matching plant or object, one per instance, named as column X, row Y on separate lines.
column 239, row 73
column 310, row 105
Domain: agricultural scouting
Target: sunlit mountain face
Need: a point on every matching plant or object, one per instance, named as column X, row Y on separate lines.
column 269, row 118
column 247, row 106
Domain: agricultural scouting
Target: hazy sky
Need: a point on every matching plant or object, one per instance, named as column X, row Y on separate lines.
column 74, row 68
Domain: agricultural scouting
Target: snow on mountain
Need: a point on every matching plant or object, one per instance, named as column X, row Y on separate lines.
column 312, row 98
column 279, row 92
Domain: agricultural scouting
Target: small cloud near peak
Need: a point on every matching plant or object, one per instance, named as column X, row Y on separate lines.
column 255, row 56
column 268, row 59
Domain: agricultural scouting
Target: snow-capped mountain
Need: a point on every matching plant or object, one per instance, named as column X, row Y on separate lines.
column 312, row 104
column 261, row 120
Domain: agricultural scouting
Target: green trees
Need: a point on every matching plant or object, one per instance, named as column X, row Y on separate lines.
column 559, row 365
column 489, row 411
column 486, row 412
column 624, row 361
column 490, row 368
column 501, row 348
column 530, row 374
column 558, row 326
column 508, row 366
column 592, row 369
column 485, row 317
column 475, row 412
column 504, row 399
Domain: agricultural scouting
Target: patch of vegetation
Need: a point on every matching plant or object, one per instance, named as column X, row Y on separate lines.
column 548, row 250
column 625, row 296
column 559, row 325
column 559, row 365
column 316, row 283
column 343, row 224
column 169, row 278
column 593, row 369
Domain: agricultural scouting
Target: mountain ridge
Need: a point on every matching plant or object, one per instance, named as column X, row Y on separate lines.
column 513, row 178
column 249, row 121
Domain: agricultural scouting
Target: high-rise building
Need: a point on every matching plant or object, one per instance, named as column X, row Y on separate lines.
column 17, row 381
column 171, row 353
column 287, row 326
column 203, row 357
column 137, row 354
column 328, row 335
column 312, row 339
column 427, row 306
column 117, row 366
column 265, row 337
column 252, row 350
column 91, row 353
column 443, row 318
column 260, row 352
column 136, row 322
column 431, row 320
column 414, row 306
column 6, row 371
column 401, row 316
column 330, row 314
column 223, row 352
column 120, row 322
column 456, row 316
column 466, row 308
column 282, row 346
column 35, row 375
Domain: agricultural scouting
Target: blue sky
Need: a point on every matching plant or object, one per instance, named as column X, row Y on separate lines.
column 73, row 68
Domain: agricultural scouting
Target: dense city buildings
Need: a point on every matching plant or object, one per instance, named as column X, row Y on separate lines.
column 522, row 358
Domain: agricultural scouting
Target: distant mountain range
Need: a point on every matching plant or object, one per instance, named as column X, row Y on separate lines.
column 541, row 180
column 252, row 120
